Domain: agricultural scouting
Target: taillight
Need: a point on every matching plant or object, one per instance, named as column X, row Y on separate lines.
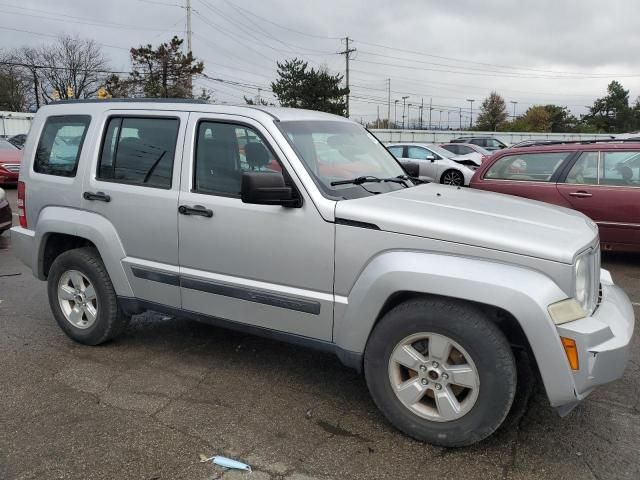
column 22, row 213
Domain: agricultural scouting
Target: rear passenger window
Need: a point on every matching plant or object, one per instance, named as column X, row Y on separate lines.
column 223, row 152
column 620, row 168
column 533, row 167
column 585, row 170
column 139, row 151
column 60, row 145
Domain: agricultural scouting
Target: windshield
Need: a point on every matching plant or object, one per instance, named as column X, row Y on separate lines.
column 336, row 150
column 441, row 151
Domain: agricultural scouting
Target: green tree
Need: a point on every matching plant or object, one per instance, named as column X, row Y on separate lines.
column 612, row 113
column 562, row 120
column 14, row 84
column 117, row 87
column 164, row 72
column 301, row 87
column 493, row 113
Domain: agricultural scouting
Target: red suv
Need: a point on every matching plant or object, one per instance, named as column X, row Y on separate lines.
column 10, row 156
column 600, row 179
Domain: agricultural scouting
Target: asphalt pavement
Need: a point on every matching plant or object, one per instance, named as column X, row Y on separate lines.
column 146, row 405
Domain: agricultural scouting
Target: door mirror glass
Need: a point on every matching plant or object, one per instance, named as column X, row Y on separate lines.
column 263, row 188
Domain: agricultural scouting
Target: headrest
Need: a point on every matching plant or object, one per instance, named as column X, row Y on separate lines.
column 256, row 154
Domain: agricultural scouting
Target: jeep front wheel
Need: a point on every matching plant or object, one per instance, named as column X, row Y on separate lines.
column 440, row 371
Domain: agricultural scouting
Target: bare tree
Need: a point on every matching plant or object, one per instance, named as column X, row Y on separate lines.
column 14, row 84
column 72, row 67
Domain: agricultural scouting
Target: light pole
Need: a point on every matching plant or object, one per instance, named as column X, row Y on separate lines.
column 395, row 113
column 404, row 103
column 514, row 108
column 471, row 100
column 421, row 107
column 448, row 119
column 439, row 119
column 409, row 105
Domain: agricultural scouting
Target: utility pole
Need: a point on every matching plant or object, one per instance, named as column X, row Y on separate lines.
column 395, row 113
column 409, row 115
column 347, row 51
column 430, row 109
column 448, row 119
column 421, row 108
column 378, row 117
column 471, row 100
column 514, row 108
column 189, row 46
column 389, row 103
column 404, row 103
column 460, row 120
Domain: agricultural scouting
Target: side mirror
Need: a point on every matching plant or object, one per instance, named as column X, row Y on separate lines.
column 431, row 158
column 412, row 169
column 266, row 188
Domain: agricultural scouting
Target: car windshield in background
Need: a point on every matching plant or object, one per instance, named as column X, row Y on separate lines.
column 4, row 145
column 334, row 151
column 441, row 151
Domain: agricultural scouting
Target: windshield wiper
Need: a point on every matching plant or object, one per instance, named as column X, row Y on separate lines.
column 370, row 179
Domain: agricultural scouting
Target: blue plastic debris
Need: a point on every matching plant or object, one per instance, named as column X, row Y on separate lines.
column 226, row 463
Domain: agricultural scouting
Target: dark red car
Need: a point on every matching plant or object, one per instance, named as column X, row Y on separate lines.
column 10, row 157
column 601, row 180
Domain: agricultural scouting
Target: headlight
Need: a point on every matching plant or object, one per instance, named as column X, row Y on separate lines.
column 582, row 282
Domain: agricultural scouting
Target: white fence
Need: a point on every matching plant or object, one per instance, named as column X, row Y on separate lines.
column 14, row 123
column 444, row 136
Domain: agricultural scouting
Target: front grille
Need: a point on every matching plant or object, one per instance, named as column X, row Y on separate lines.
column 12, row 167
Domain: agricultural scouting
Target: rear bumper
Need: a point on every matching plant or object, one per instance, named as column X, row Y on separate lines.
column 603, row 341
column 22, row 243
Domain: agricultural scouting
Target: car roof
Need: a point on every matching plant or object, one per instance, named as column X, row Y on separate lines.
column 576, row 147
column 178, row 104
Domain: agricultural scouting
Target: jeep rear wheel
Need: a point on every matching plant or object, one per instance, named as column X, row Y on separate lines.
column 440, row 371
column 82, row 297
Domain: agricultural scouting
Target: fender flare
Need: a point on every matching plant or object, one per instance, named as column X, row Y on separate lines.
column 524, row 293
column 88, row 225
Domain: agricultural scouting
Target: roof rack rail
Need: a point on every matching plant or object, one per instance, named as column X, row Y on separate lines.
column 578, row 142
column 129, row 100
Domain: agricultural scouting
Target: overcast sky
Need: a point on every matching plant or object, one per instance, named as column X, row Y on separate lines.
column 444, row 51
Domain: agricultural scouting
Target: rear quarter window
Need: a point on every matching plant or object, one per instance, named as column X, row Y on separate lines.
column 532, row 167
column 60, row 145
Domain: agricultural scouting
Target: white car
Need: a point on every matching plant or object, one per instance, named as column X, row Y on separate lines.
column 436, row 163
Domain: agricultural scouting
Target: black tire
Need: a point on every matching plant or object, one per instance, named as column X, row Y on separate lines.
column 459, row 182
column 110, row 320
column 481, row 338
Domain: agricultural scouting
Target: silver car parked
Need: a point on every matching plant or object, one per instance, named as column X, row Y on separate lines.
column 436, row 164
column 301, row 226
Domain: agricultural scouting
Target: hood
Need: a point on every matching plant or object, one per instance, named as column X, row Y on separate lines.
column 10, row 156
column 469, row 159
column 478, row 218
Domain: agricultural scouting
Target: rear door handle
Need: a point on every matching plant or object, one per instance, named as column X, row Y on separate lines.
column 580, row 194
column 195, row 210
column 99, row 196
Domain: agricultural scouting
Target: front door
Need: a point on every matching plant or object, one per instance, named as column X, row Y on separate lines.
column 263, row 265
column 606, row 187
column 429, row 162
column 134, row 185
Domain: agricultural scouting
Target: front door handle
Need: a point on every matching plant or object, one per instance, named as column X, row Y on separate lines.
column 581, row 194
column 99, row 196
column 195, row 210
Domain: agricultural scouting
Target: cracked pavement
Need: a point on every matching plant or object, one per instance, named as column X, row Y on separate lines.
column 146, row 405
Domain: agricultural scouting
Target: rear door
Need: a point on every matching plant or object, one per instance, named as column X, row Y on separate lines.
column 134, row 183
column 605, row 186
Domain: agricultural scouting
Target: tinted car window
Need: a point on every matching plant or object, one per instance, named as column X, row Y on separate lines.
column 139, row 151
column 223, row 152
column 585, row 170
column 452, row 148
column 396, row 151
column 620, row 168
column 60, row 145
column 536, row 167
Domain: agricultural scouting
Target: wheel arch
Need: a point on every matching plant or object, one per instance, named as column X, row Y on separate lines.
column 515, row 297
column 60, row 229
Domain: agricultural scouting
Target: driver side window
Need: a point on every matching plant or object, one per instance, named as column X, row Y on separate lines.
column 419, row 153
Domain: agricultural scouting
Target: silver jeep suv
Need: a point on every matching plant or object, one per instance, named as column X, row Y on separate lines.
column 301, row 226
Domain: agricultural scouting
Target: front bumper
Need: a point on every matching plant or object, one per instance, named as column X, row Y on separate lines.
column 603, row 341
